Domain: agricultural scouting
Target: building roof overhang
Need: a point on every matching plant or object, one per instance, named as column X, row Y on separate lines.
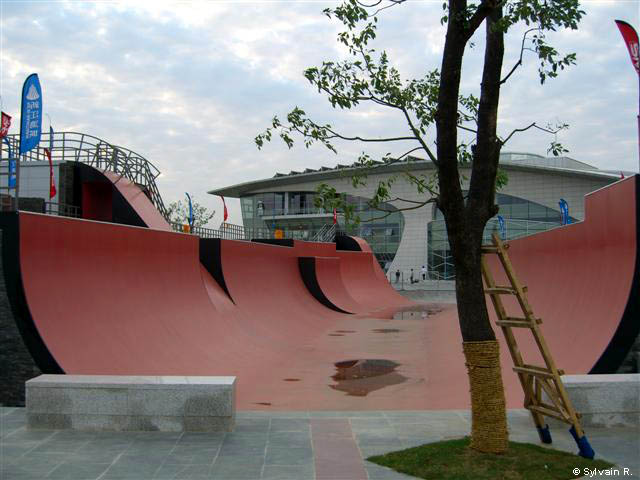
column 344, row 171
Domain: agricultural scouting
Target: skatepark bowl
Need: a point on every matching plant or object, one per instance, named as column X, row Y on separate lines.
column 305, row 327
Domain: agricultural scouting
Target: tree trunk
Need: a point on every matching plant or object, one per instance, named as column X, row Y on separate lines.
column 466, row 221
column 482, row 357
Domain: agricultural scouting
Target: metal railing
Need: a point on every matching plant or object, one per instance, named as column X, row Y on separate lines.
column 319, row 236
column 80, row 147
column 61, row 209
column 227, row 231
column 328, row 235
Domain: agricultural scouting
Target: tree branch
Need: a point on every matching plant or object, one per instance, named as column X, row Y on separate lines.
column 483, row 10
column 432, row 157
column 398, row 199
column 401, row 209
column 467, row 129
column 522, row 49
column 361, row 139
column 407, row 153
column 392, row 4
column 533, row 125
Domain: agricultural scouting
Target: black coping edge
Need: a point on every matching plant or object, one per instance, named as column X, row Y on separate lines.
column 307, row 267
column 40, row 357
column 283, row 242
column 629, row 326
column 211, row 259
column 345, row 242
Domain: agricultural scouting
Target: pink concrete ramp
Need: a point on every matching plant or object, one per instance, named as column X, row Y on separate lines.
column 109, row 197
column 366, row 283
column 121, row 300
column 322, row 277
column 138, row 200
column 113, row 299
column 264, row 282
column 584, row 283
column 100, row 298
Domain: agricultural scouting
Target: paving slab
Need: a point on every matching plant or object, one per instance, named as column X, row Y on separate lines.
column 306, row 445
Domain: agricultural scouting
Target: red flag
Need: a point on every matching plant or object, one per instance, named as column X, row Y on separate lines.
column 621, row 175
column 226, row 214
column 335, row 216
column 631, row 39
column 6, row 123
column 52, row 181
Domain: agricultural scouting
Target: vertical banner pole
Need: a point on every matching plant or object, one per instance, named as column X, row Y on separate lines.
column 630, row 37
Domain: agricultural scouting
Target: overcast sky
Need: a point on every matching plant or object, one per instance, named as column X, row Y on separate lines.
column 188, row 85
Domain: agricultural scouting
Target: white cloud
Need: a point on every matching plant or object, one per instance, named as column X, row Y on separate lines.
column 189, row 84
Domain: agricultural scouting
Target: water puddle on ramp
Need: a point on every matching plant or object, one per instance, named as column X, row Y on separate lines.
column 358, row 378
column 387, row 330
column 420, row 312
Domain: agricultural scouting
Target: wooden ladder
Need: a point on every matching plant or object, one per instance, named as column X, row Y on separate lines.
column 533, row 378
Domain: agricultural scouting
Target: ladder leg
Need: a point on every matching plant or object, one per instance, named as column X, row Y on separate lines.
column 583, row 444
column 538, row 418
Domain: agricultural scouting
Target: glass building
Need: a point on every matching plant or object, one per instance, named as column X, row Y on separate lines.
column 295, row 213
column 408, row 239
column 521, row 217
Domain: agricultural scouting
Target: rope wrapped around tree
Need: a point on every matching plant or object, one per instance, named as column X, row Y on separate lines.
column 487, row 397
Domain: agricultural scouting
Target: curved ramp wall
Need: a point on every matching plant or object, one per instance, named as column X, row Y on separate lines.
column 584, row 282
column 103, row 298
column 108, row 197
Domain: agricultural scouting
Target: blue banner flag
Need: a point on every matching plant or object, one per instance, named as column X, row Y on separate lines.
column 564, row 212
column 12, row 165
column 190, row 210
column 503, row 231
column 31, row 114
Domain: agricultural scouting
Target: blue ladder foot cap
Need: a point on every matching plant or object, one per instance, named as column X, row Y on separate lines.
column 544, row 434
column 583, row 444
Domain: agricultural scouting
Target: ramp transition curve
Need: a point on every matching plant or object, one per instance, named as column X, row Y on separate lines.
column 101, row 298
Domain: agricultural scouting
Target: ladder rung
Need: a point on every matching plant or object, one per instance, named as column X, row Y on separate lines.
column 500, row 290
column 536, row 371
column 542, row 369
column 493, row 249
column 549, row 413
column 555, row 407
column 515, row 323
column 520, row 319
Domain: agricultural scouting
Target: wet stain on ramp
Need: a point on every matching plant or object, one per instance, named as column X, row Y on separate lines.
column 358, row 378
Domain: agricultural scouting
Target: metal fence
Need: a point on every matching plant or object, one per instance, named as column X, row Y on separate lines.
column 80, row 147
column 61, row 209
column 227, row 231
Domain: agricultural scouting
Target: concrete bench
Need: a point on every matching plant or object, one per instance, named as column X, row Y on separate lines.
column 605, row 400
column 131, row 403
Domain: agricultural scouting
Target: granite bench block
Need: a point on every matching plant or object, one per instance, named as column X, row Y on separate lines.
column 605, row 400
column 127, row 403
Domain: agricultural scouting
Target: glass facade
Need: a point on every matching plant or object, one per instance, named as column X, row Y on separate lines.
column 295, row 213
column 521, row 217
